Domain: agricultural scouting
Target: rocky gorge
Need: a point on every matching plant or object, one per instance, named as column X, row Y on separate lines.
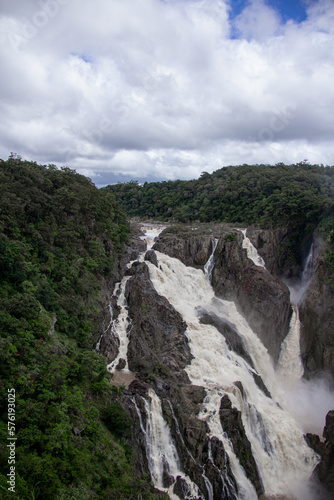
column 195, row 339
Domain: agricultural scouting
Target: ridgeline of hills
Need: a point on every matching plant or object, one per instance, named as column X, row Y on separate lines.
column 60, row 238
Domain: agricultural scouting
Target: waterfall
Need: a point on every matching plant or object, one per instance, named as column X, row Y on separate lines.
column 290, row 366
column 298, row 290
column 208, row 487
column 151, row 231
column 307, row 400
column 208, row 268
column 284, row 460
column 308, row 268
column 252, row 253
column 162, row 455
column 120, row 325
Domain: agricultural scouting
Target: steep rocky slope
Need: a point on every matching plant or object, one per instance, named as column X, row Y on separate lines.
column 160, row 352
column 262, row 298
column 317, row 317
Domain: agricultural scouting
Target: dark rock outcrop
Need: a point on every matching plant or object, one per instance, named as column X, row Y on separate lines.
column 232, row 424
column 280, row 250
column 157, row 344
column 261, row 298
column 232, row 337
column 324, row 472
column 158, row 352
column 151, row 256
column 193, row 248
column 317, row 319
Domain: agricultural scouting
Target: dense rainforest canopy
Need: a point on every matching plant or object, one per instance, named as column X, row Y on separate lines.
column 300, row 197
column 59, row 239
column 249, row 194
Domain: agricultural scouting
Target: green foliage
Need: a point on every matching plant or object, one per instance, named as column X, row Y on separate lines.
column 297, row 195
column 59, row 239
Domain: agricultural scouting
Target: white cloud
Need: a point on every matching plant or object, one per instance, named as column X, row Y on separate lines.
column 159, row 89
column 258, row 21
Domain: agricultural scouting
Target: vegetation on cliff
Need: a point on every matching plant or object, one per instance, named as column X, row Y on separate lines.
column 59, row 239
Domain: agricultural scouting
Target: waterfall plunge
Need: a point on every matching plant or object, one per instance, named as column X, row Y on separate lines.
column 299, row 289
column 162, row 455
column 252, row 253
column 283, row 458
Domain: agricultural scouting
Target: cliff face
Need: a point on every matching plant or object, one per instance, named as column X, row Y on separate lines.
column 191, row 249
column 278, row 249
column 324, row 472
column 104, row 337
column 262, row 299
column 159, row 353
column 317, row 317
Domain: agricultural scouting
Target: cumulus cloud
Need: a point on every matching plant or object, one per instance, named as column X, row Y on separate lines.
column 164, row 89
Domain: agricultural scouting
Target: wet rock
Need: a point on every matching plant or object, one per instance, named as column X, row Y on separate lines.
column 233, row 339
column 279, row 248
column 158, row 346
column 167, row 478
column 121, row 364
column 138, row 387
column 181, row 488
column 219, row 456
column 191, row 249
column 232, row 424
column 317, row 318
column 324, row 471
column 261, row 385
column 223, row 486
column 262, row 299
column 151, row 256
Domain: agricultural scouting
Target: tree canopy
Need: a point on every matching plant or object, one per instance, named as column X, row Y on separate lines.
column 59, row 239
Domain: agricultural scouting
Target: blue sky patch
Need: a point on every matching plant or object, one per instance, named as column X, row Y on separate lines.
column 288, row 9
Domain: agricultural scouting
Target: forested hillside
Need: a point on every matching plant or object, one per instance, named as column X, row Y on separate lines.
column 299, row 197
column 59, row 239
column 250, row 194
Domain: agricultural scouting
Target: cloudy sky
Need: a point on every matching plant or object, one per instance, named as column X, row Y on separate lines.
column 166, row 89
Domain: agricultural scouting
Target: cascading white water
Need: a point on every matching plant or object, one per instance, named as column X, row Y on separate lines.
column 298, row 290
column 307, row 400
column 290, row 367
column 208, row 268
column 162, row 454
column 283, row 458
column 151, row 231
column 120, row 325
column 252, row 253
